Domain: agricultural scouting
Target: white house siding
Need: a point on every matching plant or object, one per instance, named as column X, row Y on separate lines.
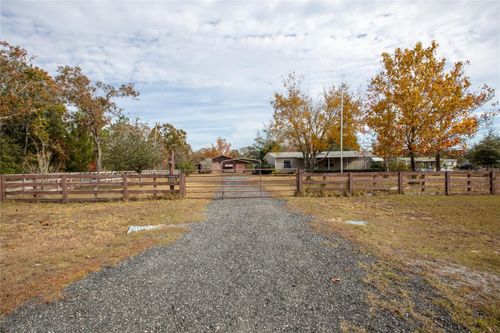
column 279, row 162
column 352, row 160
column 270, row 159
column 295, row 163
column 350, row 163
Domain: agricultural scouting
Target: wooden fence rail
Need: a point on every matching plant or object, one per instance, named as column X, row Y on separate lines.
column 70, row 187
column 444, row 182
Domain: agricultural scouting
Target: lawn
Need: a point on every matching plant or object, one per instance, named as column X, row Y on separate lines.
column 452, row 241
column 45, row 247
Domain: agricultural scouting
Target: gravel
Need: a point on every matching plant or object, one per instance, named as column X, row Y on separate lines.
column 253, row 266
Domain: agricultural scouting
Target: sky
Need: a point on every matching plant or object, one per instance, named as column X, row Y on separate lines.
column 212, row 67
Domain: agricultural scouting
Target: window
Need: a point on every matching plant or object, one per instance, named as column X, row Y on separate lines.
column 287, row 164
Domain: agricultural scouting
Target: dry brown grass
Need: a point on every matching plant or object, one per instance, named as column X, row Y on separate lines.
column 44, row 247
column 451, row 240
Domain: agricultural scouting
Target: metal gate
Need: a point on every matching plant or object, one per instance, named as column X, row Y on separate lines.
column 241, row 183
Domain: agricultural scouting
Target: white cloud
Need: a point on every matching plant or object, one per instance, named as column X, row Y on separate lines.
column 211, row 67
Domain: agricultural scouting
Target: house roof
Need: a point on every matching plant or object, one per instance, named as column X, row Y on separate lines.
column 222, row 158
column 331, row 154
column 426, row 159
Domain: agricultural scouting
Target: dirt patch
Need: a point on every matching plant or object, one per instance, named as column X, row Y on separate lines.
column 458, row 276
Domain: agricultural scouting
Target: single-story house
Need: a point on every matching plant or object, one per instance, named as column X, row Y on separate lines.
column 326, row 161
column 429, row 163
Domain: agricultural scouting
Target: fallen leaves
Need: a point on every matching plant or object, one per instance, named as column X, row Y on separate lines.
column 335, row 279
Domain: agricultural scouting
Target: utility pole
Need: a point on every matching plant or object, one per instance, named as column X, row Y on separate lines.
column 342, row 123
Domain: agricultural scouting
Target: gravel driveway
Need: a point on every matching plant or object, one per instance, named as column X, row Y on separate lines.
column 252, row 266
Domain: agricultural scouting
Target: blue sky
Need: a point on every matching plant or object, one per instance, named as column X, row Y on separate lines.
column 211, row 67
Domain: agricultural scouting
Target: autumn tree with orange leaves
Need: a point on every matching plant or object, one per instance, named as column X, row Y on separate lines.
column 30, row 102
column 314, row 126
column 416, row 107
column 221, row 147
column 453, row 113
column 334, row 99
column 24, row 87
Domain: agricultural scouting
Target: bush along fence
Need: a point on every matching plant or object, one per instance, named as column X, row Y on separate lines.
column 70, row 187
column 444, row 182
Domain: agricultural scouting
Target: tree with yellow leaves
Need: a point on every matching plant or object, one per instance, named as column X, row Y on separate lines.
column 314, row 126
column 453, row 112
column 416, row 107
column 352, row 116
column 383, row 120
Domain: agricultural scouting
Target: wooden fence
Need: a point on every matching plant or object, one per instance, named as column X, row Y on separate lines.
column 444, row 182
column 70, row 187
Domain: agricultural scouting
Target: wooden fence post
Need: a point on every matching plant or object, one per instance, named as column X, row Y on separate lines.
column 154, row 187
column 400, row 183
column 469, row 182
column 493, row 184
column 34, row 187
column 125, row 187
column 350, row 183
column 323, row 185
column 64, row 188
column 297, row 180
column 300, row 184
column 2, row 188
column 422, row 183
column 182, row 185
column 447, row 183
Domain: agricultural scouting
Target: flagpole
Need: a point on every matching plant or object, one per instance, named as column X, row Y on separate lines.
column 342, row 123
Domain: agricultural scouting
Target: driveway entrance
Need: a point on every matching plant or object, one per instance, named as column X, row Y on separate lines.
column 246, row 183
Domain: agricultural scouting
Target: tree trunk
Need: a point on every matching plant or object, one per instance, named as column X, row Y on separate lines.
column 438, row 161
column 171, row 162
column 26, row 140
column 309, row 164
column 412, row 162
column 307, row 161
column 98, row 155
column 43, row 159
